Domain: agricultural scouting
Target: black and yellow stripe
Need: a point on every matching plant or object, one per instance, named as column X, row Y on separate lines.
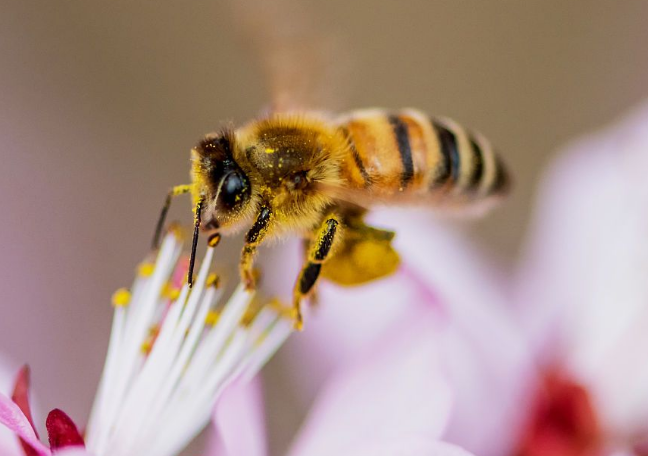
column 401, row 135
column 406, row 154
column 470, row 167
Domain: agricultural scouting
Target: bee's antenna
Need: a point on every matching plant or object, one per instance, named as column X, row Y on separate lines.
column 175, row 191
column 194, row 242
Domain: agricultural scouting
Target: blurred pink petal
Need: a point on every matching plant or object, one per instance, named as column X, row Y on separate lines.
column 20, row 396
column 73, row 451
column 345, row 323
column 239, row 423
column 396, row 391
column 9, row 444
column 583, row 283
column 13, row 418
column 405, row 447
column 483, row 353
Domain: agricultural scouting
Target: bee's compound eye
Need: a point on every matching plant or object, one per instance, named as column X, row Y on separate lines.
column 234, row 190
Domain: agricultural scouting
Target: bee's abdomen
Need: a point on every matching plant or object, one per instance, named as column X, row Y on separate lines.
column 406, row 153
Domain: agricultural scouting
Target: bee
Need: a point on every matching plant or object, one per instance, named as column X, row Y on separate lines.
column 315, row 176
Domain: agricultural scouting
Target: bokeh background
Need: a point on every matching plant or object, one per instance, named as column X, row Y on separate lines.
column 100, row 104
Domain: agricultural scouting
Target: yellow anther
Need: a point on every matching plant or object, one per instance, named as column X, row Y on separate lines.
column 180, row 190
column 281, row 309
column 170, row 292
column 175, row 229
column 212, row 318
column 146, row 269
column 213, row 280
column 249, row 316
column 121, row 297
column 147, row 345
column 214, row 239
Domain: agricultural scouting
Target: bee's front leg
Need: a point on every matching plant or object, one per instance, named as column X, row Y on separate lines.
column 319, row 252
column 253, row 238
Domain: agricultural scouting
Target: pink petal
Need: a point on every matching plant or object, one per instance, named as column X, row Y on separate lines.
column 406, row 447
column 583, row 287
column 345, row 323
column 14, row 419
column 62, row 431
column 239, row 421
column 486, row 354
column 73, row 451
column 395, row 391
column 9, row 443
column 20, row 397
column 482, row 350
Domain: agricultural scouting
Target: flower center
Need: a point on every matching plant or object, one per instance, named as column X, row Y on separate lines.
column 563, row 421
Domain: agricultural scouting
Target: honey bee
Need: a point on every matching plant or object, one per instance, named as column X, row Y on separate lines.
column 316, row 176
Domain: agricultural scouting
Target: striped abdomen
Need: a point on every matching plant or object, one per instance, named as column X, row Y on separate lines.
column 407, row 155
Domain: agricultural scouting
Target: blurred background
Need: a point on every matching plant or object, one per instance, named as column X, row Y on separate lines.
column 100, row 104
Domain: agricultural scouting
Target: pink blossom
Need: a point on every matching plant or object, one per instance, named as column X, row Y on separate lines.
column 583, row 297
column 172, row 353
column 393, row 399
column 461, row 297
column 549, row 360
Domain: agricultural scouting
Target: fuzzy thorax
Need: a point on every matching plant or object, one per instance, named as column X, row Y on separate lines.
column 285, row 161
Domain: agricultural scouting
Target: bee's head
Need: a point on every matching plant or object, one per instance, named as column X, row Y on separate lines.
column 220, row 180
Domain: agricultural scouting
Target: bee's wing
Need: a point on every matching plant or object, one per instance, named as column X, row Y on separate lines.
column 304, row 65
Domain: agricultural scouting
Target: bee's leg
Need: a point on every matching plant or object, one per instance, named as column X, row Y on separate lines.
column 253, row 238
column 175, row 191
column 318, row 254
column 194, row 241
column 306, row 245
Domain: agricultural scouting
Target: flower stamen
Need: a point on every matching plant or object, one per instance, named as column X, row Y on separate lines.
column 154, row 402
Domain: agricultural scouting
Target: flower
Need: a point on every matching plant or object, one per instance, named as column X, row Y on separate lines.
column 460, row 294
column 583, row 298
column 173, row 350
column 549, row 360
column 391, row 400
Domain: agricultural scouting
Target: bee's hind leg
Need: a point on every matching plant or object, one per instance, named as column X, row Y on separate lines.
column 319, row 252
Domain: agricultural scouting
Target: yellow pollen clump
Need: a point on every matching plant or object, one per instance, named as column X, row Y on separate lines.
column 146, row 269
column 214, row 240
column 147, row 345
column 249, row 316
column 213, row 280
column 176, row 229
column 121, row 297
column 269, row 151
column 170, row 292
column 212, row 318
column 282, row 309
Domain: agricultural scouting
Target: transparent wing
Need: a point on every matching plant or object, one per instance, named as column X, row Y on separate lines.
column 305, row 65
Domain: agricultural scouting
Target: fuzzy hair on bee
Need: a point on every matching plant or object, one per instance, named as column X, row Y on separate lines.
column 285, row 161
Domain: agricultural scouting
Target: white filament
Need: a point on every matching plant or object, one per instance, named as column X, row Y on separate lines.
column 155, row 403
